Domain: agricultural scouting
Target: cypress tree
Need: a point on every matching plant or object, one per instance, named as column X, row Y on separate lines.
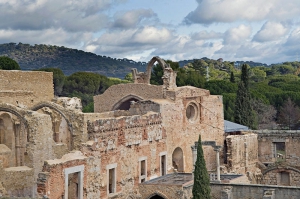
column 243, row 113
column 232, row 79
column 201, row 188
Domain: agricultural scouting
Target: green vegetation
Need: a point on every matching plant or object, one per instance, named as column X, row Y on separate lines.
column 67, row 59
column 7, row 63
column 243, row 113
column 83, row 85
column 269, row 87
column 201, row 188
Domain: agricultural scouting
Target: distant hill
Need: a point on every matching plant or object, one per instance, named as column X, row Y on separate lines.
column 69, row 60
column 72, row 60
column 236, row 63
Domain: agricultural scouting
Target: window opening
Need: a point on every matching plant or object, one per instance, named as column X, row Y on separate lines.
column 112, row 179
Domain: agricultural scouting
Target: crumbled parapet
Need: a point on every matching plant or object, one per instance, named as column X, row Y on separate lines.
column 70, row 103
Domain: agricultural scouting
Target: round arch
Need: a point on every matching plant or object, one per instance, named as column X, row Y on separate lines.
column 157, row 195
column 57, row 108
column 20, row 115
column 124, row 103
column 177, row 159
column 13, row 110
column 150, row 65
column 281, row 168
column 60, row 136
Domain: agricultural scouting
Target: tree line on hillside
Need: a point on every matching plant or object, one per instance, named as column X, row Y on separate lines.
column 83, row 85
column 272, row 92
column 269, row 92
column 31, row 57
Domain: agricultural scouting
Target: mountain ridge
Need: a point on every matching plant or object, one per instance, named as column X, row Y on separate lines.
column 32, row 57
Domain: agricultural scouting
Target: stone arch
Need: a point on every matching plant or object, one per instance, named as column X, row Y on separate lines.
column 280, row 168
column 157, row 195
column 152, row 62
column 124, row 103
column 145, row 77
column 177, row 159
column 7, row 138
column 14, row 132
column 57, row 135
column 13, row 110
column 279, row 175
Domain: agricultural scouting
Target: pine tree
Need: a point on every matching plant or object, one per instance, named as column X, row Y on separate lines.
column 243, row 113
column 201, row 188
column 7, row 63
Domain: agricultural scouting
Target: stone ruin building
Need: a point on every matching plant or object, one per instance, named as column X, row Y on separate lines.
column 138, row 144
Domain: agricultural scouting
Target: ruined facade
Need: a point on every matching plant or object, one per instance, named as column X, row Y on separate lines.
column 139, row 137
column 138, row 132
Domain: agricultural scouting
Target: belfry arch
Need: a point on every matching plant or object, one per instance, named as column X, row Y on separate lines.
column 140, row 77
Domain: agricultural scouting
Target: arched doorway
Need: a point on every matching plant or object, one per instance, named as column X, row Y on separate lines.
column 124, row 103
column 177, row 159
column 156, row 197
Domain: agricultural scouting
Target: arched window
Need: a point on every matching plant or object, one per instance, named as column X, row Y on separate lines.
column 177, row 159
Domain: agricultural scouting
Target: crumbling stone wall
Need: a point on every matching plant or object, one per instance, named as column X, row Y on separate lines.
column 252, row 191
column 266, row 146
column 275, row 165
column 25, row 88
column 51, row 181
column 38, row 145
column 242, row 155
column 273, row 176
column 124, row 140
column 17, row 181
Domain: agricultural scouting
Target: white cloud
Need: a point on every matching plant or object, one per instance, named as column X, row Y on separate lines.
column 271, row 31
column 127, row 42
column 131, row 19
column 50, row 36
column 237, row 35
column 71, row 15
column 204, row 35
column 214, row 11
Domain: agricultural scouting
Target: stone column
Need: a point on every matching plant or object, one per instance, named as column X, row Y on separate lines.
column 217, row 150
column 246, row 156
column 17, row 142
column 194, row 153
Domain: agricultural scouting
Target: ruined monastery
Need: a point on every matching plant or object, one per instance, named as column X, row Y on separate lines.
column 138, row 144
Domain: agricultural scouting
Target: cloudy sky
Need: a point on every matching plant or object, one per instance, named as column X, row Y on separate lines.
column 266, row 31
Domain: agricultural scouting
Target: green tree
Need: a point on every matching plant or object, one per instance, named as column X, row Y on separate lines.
column 232, row 79
column 201, row 188
column 243, row 113
column 7, row 63
column 128, row 77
